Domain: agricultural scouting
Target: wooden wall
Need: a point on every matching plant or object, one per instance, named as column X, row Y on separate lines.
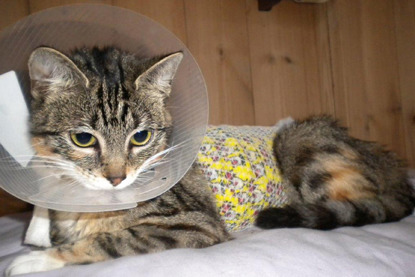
column 350, row 58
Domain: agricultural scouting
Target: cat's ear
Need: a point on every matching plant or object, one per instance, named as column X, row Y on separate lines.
column 50, row 68
column 161, row 74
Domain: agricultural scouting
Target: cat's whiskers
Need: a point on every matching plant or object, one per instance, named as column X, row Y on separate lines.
column 154, row 164
column 156, row 159
column 52, row 166
column 37, row 162
column 62, row 172
column 51, row 160
column 49, row 176
column 58, row 168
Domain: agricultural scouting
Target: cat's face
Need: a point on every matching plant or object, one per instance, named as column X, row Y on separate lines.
column 99, row 115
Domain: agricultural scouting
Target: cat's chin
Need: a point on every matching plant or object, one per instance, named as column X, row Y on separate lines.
column 104, row 184
column 125, row 183
column 99, row 186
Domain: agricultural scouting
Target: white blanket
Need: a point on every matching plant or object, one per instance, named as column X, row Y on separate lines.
column 373, row 250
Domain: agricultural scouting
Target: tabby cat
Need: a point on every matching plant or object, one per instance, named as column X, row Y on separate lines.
column 103, row 112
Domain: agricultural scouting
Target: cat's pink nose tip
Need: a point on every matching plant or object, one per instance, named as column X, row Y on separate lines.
column 115, row 181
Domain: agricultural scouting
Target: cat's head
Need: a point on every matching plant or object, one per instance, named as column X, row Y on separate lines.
column 99, row 114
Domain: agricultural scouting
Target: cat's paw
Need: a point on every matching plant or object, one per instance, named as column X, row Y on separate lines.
column 35, row 261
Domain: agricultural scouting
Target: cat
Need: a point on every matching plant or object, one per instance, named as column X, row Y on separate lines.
column 104, row 112
column 336, row 180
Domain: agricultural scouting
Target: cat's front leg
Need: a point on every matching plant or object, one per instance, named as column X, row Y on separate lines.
column 186, row 230
column 34, row 262
column 86, row 250
column 39, row 228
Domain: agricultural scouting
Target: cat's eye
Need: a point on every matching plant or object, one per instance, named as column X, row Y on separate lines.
column 141, row 138
column 83, row 139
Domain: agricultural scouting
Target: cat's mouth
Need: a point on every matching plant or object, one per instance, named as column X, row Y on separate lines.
column 101, row 183
column 65, row 173
column 133, row 176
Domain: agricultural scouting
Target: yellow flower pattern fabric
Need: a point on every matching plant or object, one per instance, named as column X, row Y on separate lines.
column 241, row 168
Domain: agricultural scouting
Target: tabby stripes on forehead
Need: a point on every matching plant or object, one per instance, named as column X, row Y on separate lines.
column 112, row 102
column 111, row 94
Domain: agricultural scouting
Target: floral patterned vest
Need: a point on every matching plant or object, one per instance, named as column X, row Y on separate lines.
column 241, row 168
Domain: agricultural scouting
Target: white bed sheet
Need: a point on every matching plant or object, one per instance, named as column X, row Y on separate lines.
column 373, row 250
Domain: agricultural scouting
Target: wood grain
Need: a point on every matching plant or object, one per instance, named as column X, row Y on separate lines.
column 11, row 205
column 218, row 38
column 353, row 59
column 365, row 70
column 38, row 5
column 290, row 61
column 169, row 13
column 405, row 39
column 11, row 11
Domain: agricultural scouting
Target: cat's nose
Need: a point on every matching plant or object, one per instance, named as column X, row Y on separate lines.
column 116, row 180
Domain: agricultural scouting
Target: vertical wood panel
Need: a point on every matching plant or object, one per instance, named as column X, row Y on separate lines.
column 290, row 61
column 169, row 13
column 217, row 37
column 38, row 5
column 382, row 78
column 365, row 70
column 405, row 37
column 354, row 59
column 325, row 90
column 11, row 11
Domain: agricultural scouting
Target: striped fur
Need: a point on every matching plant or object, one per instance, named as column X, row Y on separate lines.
column 104, row 92
column 335, row 180
column 185, row 216
column 111, row 95
column 331, row 179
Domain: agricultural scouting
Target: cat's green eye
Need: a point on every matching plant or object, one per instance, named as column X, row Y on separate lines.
column 141, row 138
column 83, row 139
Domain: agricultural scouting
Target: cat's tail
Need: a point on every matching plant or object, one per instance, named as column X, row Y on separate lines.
column 332, row 214
column 334, row 180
